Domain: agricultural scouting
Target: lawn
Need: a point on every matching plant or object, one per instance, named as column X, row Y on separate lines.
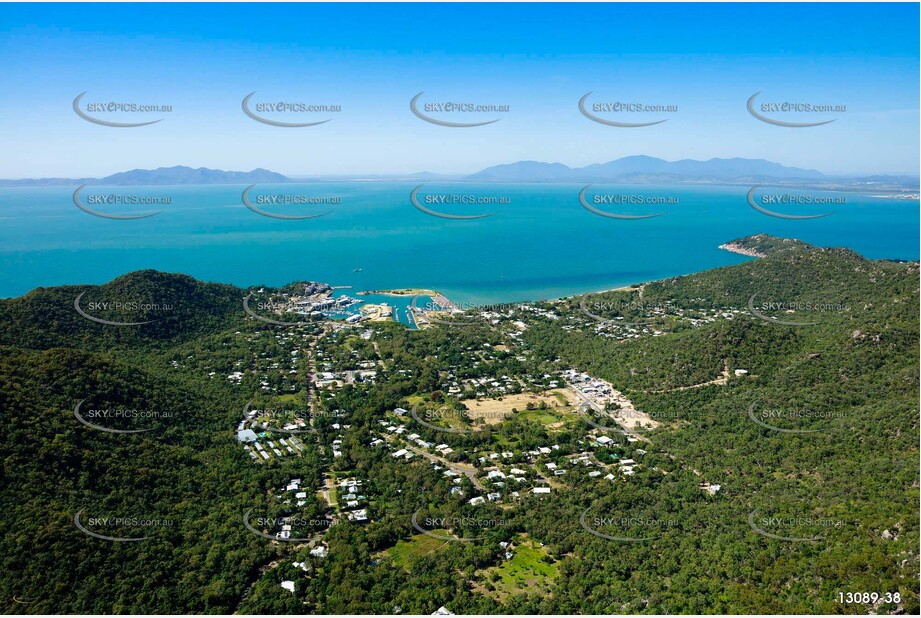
column 405, row 552
column 548, row 416
column 525, row 572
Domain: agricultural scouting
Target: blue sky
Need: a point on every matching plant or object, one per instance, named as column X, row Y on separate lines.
column 371, row 59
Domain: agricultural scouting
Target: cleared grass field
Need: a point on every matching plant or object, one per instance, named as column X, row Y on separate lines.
column 556, row 414
column 525, row 572
column 550, row 416
column 491, row 409
column 405, row 552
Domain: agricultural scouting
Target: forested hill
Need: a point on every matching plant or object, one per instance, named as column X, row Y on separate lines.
column 156, row 306
column 176, row 467
column 802, row 330
column 765, row 244
column 798, row 300
column 796, row 277
column 818, row 344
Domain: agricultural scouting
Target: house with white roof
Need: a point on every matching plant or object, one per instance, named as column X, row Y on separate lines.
column 246, row 435
column 320, row 551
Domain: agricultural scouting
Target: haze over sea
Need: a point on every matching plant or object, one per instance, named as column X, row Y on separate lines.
column 543, row 244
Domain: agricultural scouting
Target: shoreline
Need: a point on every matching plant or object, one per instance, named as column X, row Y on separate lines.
column 741, row 250
column 731, row 247
column 399, row 293
column 630, row 287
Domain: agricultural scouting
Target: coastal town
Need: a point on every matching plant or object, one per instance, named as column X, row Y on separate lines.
column 496, row 448
column 583, row 429
column 490, row 309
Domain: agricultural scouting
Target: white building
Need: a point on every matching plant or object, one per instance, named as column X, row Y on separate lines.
column 320, row 551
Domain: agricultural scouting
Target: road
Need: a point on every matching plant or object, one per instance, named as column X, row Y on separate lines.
column 721, row 381
column 630, row 432
column 467, row 470
column 273, row 564
column 328, row 488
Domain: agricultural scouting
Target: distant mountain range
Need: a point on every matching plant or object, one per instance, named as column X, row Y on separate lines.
column 628, row 170
column 177, row 175
column 650, row 169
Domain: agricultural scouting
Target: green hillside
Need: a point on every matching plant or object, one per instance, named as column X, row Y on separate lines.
column 791, row 381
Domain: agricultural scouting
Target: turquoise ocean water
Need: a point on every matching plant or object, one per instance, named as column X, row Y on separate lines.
column 541, row 244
